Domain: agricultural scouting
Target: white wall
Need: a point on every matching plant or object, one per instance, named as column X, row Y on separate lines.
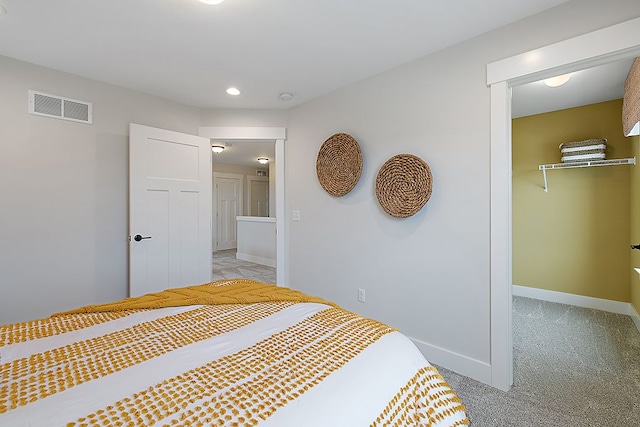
column 249, row 118
column 257, row 240
column 429, row 274
column 64, row 191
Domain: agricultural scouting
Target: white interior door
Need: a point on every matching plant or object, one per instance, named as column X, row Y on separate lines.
column 259, row 198
column 169, row 210
column 228, row 207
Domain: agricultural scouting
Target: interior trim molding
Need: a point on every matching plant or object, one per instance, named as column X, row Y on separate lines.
column 265, row 134
column 595, row 48
column 463, row 365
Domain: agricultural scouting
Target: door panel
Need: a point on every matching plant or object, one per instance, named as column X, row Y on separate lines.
column 259, row 198
column 170, row 202
column 228, row 202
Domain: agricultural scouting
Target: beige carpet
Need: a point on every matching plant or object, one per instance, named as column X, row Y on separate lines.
column 572, row 367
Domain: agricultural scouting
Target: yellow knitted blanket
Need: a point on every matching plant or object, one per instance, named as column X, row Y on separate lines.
column 235, row 291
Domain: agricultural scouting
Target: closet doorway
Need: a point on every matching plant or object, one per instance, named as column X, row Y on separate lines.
column 599, row 47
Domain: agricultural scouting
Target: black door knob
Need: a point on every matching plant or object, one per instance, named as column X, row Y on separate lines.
column 138, row 237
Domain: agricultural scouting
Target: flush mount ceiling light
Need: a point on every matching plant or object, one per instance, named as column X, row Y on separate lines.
column 263, row 160
column 286, row 96
column 233, row 91
column 557, row 81
column 211, row 1
column 217, row 148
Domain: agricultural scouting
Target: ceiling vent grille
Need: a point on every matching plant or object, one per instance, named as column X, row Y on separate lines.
column 44, row 104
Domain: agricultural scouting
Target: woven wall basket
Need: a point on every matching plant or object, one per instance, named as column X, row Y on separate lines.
column 339, row 164
column 631, row 100
column 403, row 185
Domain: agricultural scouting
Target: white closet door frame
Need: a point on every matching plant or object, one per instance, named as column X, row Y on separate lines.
column 596, row 48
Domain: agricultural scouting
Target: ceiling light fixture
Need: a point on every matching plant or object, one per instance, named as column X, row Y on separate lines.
column 286, row 96
column 233, row 91
column 211, row 1
column 217, row 148
column 557, row 81
column 263, row 160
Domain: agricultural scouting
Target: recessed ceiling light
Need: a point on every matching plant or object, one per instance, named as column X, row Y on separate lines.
column 233, row 91
column 557, row 81
column 211, row 1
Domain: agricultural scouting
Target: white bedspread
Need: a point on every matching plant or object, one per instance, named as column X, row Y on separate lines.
column 268, row 364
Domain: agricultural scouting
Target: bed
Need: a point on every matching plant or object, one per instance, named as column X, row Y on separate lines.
column 232, row 353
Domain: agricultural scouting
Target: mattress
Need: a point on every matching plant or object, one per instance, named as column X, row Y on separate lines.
column 232, row 353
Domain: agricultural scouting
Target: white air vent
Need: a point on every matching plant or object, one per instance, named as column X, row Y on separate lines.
column 44, row 104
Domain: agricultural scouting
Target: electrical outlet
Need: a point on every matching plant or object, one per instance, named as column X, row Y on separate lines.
column 361, row 295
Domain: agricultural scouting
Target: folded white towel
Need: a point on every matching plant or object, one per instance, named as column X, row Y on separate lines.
column 584, row 157
column 600, row 147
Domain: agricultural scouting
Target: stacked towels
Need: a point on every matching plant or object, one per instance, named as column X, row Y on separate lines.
column 583, row 151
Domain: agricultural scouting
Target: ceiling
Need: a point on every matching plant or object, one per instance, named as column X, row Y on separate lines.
column 589, row 86
column 245, row 153
column 191, row 52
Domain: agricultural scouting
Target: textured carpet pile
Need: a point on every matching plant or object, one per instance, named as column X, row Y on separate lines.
column 572, row 367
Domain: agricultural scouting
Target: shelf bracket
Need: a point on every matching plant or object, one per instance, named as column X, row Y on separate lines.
column 544, row 177
column 583, row 164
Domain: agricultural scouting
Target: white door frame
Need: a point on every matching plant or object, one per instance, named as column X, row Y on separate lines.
column 599, row 47
column 266, row 134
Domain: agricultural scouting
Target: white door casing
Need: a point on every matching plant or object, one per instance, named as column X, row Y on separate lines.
column 268, row 135
column 169, row 208
column 228, row 197
column 598, row 47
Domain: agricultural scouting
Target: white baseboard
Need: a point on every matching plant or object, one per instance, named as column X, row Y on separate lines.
column 579, row 301
column 463, row 365
column 256, row 259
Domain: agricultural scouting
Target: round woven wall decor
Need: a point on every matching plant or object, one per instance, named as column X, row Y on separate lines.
column 339, row 164
column 403, row 185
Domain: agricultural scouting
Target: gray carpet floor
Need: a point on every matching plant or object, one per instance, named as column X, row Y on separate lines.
column 572, row 367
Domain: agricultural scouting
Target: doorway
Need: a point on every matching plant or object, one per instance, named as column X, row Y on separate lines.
column 271, row 135
column 596, row 48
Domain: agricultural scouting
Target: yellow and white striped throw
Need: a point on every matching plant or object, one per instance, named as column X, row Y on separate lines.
column 230, row 353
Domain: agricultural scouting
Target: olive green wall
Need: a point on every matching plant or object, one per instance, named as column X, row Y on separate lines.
column 635, row 224
column 576, row 237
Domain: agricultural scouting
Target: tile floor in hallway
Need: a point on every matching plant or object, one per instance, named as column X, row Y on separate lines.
column 226, row 266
